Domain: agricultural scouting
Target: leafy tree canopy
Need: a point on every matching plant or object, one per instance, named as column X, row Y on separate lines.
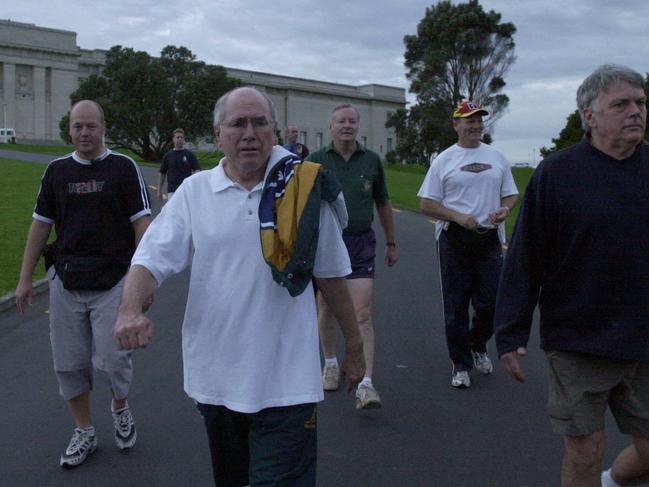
column 459, row 52
column 146, row 98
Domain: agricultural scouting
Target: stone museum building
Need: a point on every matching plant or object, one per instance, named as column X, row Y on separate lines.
column 40, row 67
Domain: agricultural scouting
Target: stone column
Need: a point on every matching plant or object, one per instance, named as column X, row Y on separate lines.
column 9, row 86
column 39, row 103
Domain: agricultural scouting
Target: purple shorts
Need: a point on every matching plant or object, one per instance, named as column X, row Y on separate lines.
column 362, row 251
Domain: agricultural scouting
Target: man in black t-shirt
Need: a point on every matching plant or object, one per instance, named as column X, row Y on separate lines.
column 177, row 164
column 98, row 203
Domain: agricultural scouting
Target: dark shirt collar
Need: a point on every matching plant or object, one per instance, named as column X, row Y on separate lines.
column 359, row 148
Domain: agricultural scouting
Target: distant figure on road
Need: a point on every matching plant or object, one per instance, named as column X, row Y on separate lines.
column 361, row 173
column 177, row 165
column 98, row 203
column 250, row 345
column 580, row 250
column 469, row 190
column 292, row 145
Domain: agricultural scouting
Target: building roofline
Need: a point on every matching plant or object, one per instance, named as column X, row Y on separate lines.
column 34, row 26
column 67, row 52
column 305, row 84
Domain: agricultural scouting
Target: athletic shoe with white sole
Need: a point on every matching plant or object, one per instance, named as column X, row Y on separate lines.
column 331, row 377
column 82, row 444
column 367, row 397
column 482, row 362
column 125, row 434
column 460, row 379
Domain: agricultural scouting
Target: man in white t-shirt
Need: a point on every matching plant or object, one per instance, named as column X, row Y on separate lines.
column 250, row 349
column 469, row 190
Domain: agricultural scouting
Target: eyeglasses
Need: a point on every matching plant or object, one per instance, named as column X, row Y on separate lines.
column 257, row 123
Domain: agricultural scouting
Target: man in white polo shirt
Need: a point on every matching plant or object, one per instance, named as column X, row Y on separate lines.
column 250, row 349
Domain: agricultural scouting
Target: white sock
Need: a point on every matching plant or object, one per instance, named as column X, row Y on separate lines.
column 331, row 362
column 607, row 479
column 367, row 381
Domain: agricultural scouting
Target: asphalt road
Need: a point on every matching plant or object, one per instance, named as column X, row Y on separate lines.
column 495, row 434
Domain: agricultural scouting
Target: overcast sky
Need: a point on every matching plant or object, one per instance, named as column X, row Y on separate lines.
column 557, row 44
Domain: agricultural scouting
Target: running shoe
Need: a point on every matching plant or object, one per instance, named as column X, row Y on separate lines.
column 125, row 434
column 331, row 377
column 367, row 397
column 482, row 362
column 460, row 379
column 82, row 444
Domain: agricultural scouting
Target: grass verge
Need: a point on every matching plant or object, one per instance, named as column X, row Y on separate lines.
column 19, row 187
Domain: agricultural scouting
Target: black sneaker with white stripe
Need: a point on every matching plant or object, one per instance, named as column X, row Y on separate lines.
column 124, row 423
column 82, row 444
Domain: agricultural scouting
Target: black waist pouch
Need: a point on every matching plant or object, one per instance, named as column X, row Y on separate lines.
column 49, row 256
column 88, row 272
column 472, row 243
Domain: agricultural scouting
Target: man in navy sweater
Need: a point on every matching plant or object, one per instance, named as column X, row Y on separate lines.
column 580, row 250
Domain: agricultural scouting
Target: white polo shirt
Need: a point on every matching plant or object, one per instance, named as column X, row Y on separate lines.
column 471, row 181
column 247, row 344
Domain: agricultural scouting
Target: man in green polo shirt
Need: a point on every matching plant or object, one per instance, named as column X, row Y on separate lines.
column 361, row 173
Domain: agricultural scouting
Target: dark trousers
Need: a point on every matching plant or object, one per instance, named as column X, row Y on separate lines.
column 468, row 279
column 274, row 447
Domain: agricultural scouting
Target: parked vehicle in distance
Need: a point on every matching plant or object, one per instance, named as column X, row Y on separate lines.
column 7, row 136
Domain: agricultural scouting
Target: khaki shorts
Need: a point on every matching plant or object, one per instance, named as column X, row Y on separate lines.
column 582, row 386
column 81, row 328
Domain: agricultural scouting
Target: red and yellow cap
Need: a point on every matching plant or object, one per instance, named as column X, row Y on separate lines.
column 468, row 108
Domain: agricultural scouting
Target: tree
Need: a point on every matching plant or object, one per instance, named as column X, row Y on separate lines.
column 146, row 98
column 569, row 135
column 572, row 133
column 459, row 52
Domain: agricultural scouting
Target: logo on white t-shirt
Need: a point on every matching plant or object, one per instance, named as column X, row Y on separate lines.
column 476, row 167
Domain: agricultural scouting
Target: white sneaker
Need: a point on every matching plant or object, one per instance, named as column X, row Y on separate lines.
column 82, row 444
column 482, row 362
column 331, row 377
column 461, row 379
column 367, row 397
column 125, row 434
